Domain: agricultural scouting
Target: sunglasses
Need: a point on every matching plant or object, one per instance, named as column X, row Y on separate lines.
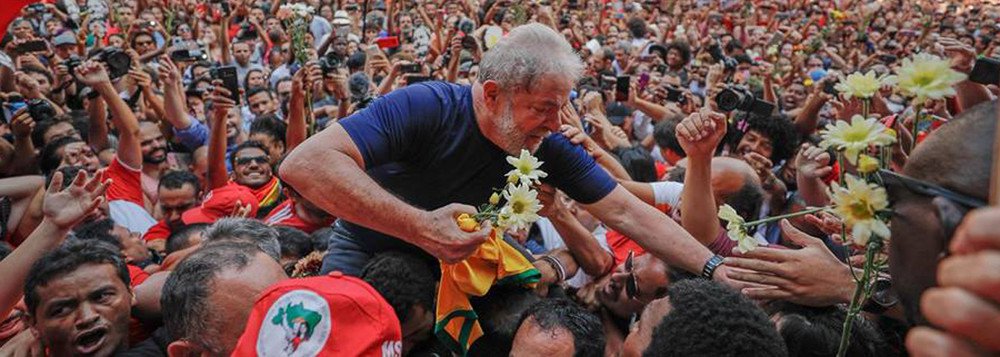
column 951, row 210
column 246, row 160
column 631, row 285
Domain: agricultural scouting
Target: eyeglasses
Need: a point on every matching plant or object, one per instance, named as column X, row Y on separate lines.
column 949, row 219
column 246, row 160
column 631, row 285
column 928, row 189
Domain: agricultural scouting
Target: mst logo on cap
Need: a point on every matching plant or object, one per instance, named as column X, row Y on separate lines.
column 297, row 324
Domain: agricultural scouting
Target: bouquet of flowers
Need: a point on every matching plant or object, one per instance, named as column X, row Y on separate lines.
column 521, row 205
column 296, row 19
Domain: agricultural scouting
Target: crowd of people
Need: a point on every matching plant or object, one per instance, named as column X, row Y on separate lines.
column 257, row 177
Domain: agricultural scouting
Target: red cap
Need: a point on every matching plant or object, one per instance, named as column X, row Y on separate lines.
column 332, row 315
column 221, row 202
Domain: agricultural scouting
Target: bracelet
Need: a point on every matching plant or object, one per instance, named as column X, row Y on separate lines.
column 557, row 266
column 714, row 262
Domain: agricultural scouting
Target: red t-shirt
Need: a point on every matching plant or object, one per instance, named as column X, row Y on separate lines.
column 126, row 182
column 160, row 231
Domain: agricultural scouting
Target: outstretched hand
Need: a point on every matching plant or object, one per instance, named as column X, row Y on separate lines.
column 701, row 132
column 67, row 207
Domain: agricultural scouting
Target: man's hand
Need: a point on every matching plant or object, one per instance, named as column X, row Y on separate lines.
column 22, row 124
column 442, row 238
column 92, row 73
column 66, row 208
column 760, row 164
column 169, row 72
column 25, row 344
column 27, row 85
column 140, row 78
column 809, row 276
column 552, row 205
column 970, row 288
column 221, row 103
column 700, row 133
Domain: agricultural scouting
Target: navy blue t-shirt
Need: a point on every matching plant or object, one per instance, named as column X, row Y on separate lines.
column 422, row 144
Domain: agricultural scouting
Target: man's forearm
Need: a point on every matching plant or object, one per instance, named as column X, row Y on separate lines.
column 651, row 229
column 594, row 260
column 16, row 266
column 129, row 149
column 335, row 181
column 97, row 131
column 697, row 201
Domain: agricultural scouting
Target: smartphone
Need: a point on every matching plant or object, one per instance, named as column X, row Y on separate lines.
column 675, row 95
column 230, row 80
column 661, row 68
column 411, row 68
column 622, row 88
column 776, row 39
column 829, row 87
column 986, row 71
column 33, row 46
column 388, row 42
column 643, row 81
column 888, row 59
column 416, row 79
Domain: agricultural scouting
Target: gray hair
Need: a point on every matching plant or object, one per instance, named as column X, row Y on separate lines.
column 185, row 294
column 526, row 54
column 246, row 230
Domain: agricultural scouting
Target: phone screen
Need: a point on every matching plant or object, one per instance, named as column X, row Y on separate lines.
column 622, row 88
column 230, row 81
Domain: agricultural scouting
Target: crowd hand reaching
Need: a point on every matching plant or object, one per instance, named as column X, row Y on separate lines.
column 140, row 78
column 25, row 344
column 847, row 109
column 700, row 133
column 336, row 84
column 456, row 46
column 67, row 207
column 760, row 164
column 578, row 137
column 826, row 222
column 441, row 237
column 810, row 276
column 603, row 135
column 813, row 162
column 962, row 56
column 551, row 204
column 22, row 124
column 970, row 288
column 27, row 85
column 569, row 116
column 169, row 72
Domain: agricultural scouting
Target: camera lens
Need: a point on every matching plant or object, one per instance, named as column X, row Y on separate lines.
column 728, row 100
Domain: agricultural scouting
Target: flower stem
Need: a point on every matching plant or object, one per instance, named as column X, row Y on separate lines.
column 916, row 125
column 788, row 215
column 866, row 104
column 861, row 294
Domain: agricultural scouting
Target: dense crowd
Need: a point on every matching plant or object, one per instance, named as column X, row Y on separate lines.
column 254, row 177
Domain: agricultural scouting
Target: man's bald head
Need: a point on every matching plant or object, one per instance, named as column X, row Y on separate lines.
column 959, row 156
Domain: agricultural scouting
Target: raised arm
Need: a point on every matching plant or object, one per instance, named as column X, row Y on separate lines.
column 699, row 134
column 328, row 170
column 92, row 74
column 174, row 111
column 97, row 131
column 587, row 252
column 297, row 126
column 222, row 107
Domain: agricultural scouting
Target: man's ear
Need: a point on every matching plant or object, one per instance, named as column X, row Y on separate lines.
column 181, row 348
column 491, row 94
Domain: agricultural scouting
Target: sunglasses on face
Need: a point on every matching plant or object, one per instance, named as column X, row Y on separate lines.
column 246, row 160
column 952, row 206
column 631, row 285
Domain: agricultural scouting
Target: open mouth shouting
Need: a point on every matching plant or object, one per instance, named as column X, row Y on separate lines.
column 90, row 341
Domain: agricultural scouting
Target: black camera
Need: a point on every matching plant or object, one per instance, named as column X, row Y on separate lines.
column 247, row 32
column 675, row 95
column 36, row 8
column 330, row 62
column 734, row 97
column 117, row 60
column 71, row 63
column 986, row 71
column 40, row 110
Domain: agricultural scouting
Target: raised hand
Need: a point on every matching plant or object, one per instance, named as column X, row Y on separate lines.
column 700, row 133
column 92, row 73
column 813, row 162
column 22, row 124
column 222, row 103
column 67, row 207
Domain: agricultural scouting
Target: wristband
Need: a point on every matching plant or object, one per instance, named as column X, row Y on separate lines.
column 557, row 266
column 714, row 262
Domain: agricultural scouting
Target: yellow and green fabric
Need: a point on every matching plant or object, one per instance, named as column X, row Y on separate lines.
column 496, row 262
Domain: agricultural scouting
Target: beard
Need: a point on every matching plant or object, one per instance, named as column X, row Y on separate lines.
column 513, row 138
column 157, row 156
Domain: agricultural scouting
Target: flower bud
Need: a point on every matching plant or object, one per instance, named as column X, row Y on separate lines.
column 494, row 198
column 867, row 164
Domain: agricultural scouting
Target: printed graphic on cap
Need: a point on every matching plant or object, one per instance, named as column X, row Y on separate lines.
column 297, row 324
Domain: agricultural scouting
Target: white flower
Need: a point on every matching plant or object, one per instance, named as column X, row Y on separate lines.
column 926, row 76
column 735, row 229
column 299, row 10
column 525, row 169
column 856, row 204
column 521, row 208
column 863, row 86
column 855, row 137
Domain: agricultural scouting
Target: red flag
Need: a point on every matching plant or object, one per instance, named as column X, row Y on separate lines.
column 7, row 16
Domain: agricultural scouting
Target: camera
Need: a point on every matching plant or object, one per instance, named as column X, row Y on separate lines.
column 733, row 97
column 36, row 8
column 40, row 110
column 117, row 60
column 330, row 62
column 71, row 63
column 675, row 95
column 247, row 32
column 986, row 71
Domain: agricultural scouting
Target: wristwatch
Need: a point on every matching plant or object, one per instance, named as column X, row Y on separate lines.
column 714, row 262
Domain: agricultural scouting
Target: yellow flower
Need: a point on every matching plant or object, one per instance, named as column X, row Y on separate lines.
column 863, row 85
column 735, row 229
column 808, row 82
column 867, row 164
column 467, row 223
column 525, row 169
column 521, row 209
column 494, row 198
column 856, row 204
column 855, row 137
column 926, row 76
